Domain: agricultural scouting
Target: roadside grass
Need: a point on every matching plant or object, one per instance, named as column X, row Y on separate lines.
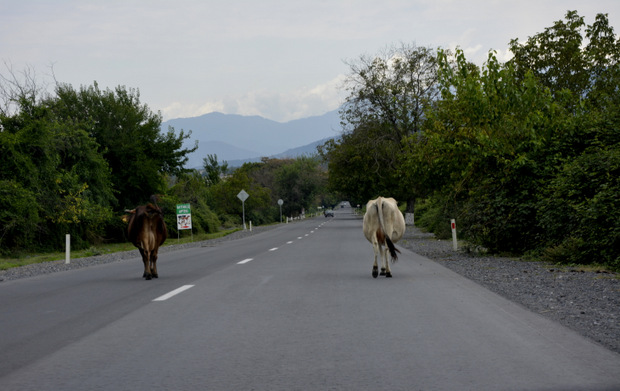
column 592, row 268
column 23, row 259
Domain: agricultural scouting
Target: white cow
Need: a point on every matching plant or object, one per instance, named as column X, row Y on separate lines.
column 384, row 225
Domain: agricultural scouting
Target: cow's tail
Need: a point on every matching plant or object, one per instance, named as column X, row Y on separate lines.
column 388, row 240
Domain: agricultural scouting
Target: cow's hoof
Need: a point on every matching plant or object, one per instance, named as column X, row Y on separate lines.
column 155, row 275
column 148, row 277
column 375, row 273
column 388, row 275
column 382, row 271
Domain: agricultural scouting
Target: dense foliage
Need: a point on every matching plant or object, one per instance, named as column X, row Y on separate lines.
column 69, row 163
column 524, row 154
column 388, row 97
column 300, row 183
column 72, row 162
column 129, row 135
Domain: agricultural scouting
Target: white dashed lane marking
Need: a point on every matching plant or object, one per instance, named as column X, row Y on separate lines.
column 186, row 287
column 275, row 248
column 173, row 293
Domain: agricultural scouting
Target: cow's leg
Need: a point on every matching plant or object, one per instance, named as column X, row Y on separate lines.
column 154, row 264
column 375, row 268
column 388, row 271
column 382, row 252
column 145, row 261
column 386, row 263
column 146, row 258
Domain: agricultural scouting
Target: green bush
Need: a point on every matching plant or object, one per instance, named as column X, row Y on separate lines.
column 204, row 220
column 580, row 213
column 230, row 221
column 19, row 216
column 500, row 215
column 432, row 215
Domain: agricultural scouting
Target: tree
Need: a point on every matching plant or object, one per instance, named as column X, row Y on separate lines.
column 531, row 147
column 258, row 207
column 53, row 174
column 299, row 183
column 66, row 160
column 577, row 209
column 394, row 87
column 567, row 59
column 19, row 216
column 580, row 210
column 554, row 56
column 388, row 96
column 361, row 164
column 485, row 137
column 19, row 90
column 602, row 52
column 134, row 146
column 264, row 174
column 213, row 169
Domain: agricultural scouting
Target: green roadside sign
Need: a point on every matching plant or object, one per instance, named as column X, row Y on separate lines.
column 183, row 209
column 184, row 217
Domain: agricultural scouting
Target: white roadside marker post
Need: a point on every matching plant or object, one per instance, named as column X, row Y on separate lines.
column 67, row 249
column 453, row 225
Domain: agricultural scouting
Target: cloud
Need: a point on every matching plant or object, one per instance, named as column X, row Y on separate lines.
column 277, row 106
column 274, row 58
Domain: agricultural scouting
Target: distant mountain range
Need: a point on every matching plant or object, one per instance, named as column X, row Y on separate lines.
column 238, row 139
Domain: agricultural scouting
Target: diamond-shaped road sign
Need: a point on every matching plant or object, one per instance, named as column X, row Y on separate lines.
column 243, row 195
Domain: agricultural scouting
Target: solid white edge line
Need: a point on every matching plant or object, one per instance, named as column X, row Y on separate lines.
column 173, row 293
column 244, row 261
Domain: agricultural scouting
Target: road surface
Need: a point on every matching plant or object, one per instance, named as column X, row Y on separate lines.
column 291, row 308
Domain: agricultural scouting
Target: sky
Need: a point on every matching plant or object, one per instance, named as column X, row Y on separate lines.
column 280, row 59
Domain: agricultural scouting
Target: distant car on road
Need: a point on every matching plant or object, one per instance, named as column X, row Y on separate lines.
column 329, row 213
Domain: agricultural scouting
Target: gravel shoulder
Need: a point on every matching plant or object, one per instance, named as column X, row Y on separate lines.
column 586, row 302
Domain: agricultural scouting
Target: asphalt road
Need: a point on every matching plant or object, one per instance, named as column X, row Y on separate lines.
column 292, row 308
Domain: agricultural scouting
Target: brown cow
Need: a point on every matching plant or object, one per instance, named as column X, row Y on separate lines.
column 384, row 225
column 147, row 231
